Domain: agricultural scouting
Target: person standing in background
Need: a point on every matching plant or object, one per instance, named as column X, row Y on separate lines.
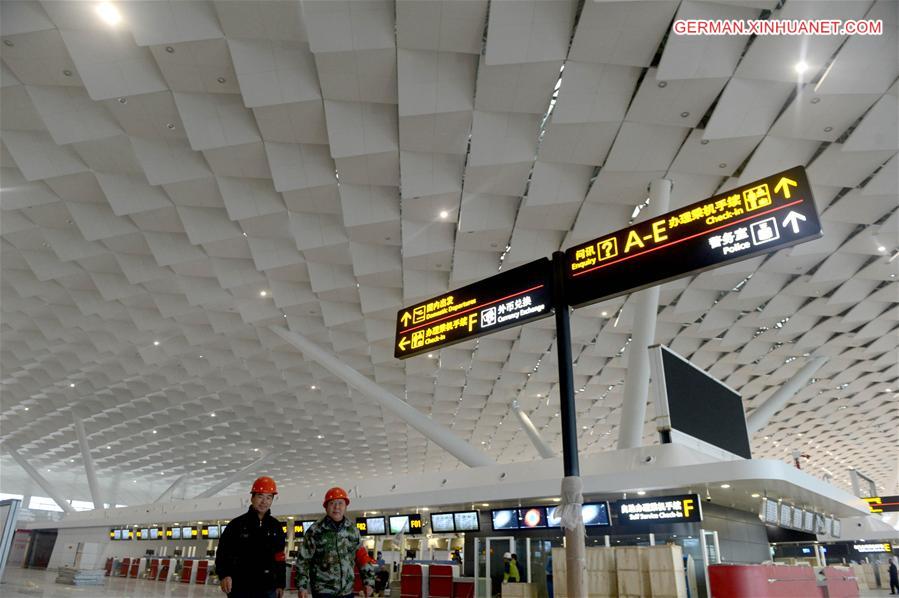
column 894, row 575
column 250, row 560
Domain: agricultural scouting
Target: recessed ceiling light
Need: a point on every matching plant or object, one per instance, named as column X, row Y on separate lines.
column 255, row 450
column 212, row 415
column 725, row 486
column 800, row 67
column 684, row 114
column 221, row 80
column 9, row 43
column 123, row 100
column 485, row 504
column 755, row 495
column 881, row 248
column 313, row 387
column 204, row 462
column 170, row 126
column 71, row 385
column 26, row 408
column 109, row 448
column 67, row 73
column 444, row 214
column 641, row 492
column 170, row 49
column 263, row 293
column 155, row 343
column 320, row 436
column 154, row 431
column 109, row 13
column 604, row 314
column 663, row 84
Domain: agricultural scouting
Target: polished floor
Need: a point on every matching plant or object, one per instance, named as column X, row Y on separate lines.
column 33, row 583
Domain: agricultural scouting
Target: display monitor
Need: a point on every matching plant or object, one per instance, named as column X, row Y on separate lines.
column 155, row 533
column 466, row 521
column 117, row 535
column 213, row 531
column 176, row 533
column 820, row 525
column 377, row 526
column 144, row 533
column 596, row 514
column 399, row 524
column 307, row 525
column 187, row 533
column 771, row 511
column 553, row 518
column 828, row 525
column 442, row 523
column 505, row 519
column 797, row 518
column 808, row 521
column 695, row 408
column 531, row 517
column 786, row 515
column 836, row 528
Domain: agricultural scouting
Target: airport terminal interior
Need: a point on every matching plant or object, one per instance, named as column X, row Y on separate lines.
column 537, row 277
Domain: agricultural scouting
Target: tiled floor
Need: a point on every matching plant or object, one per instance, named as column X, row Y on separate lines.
column 32, row 583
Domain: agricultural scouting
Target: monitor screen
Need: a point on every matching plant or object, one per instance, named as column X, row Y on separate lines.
column 442, row 523
column 187, row 533
column 797, row 518
column 466, row 521
column 399, row 524
column 307, row 525
column 552, row 518
column 531, row 517
column 771, row 511
column 808, row 521
column 155, row 533
column 701, row 406
column 820, row 525
column 836, row 528
column 144, row 534
column 786, row 515
column 213, row 531
column 117, row 535
column 505, row 519
column 596, row 513
column 176, row 533
column 376, row 526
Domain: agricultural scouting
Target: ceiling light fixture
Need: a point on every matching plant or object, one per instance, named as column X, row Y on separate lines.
column 154, row 431
column 109, row 13
column 641, row 492
column 263, row 293
column 881, row 248
column 320, row 436
column 155, row 343
column 444, row 214
column 71, row 385
column 725, row 486
column 755, row 495
column 800, row 67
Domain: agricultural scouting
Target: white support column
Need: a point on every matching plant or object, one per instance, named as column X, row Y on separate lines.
column 234, row 476
column 89, row 468
column 441, row 435
column 533, row 435
column 167, row 493
column 646, row 306
column 40, row 480
column 762, row 414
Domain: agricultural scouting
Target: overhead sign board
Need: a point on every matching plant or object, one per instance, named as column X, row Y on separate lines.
column 683, row 508
column 883, row 504
column 760, row 217
column 508, row 299
column 885, row 547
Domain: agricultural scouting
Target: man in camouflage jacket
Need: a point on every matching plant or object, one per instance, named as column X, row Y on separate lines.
column 327, row 559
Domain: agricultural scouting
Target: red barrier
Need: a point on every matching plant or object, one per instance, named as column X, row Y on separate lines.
column 135, row 568
column 762, row 581
column 153, row 569
column 108, row 566
column 841, row 582
column 411, row 585
column 186, row 571
column 123, row 567
column 463, row 588
column 164, row 570
column 440, row 581
column 202, row 572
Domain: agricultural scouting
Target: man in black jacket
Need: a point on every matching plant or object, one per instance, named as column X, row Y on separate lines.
column 250, row 558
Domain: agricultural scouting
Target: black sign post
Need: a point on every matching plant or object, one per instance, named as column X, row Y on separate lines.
column 511, row 298
column 760, row 217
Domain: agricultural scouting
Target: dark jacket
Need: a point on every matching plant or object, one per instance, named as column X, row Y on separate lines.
column 251, row 553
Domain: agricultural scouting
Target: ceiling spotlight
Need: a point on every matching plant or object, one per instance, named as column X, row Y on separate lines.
column 263, row 293
column 255, row 450
column 170, row 49
column 444, row 214
column 71, row 385
column 123, row 100
column 155, row 343
column 109, row 13
column 170, row 126
column 755, row 495
column 313, row 387
column 881, row 248
column 26, row 408
column 221, row 80
column 641, row 492
column 320, row 436
column 604, row 314
column 154, row 431
column 204, row 461
column 212, row 415
column 109, row 448
column 725, row 486
column 801, row 67
column 67, row 73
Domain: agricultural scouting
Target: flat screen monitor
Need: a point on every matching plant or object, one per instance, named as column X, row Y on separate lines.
column 117, row 535
column 307, row 525
column 466, row 521
column 155, row 533
column 553, row 519
column 213, row 531
column 595, row 514
column 797, row 518
column 377, row 526
column 399, row 524
column 836, row 528
column 531, row 517
column 505, row 519
column 696, row 405
column 828, row 525
column 442, row 523
column 820, row 524
column 771, row 512
column 187, row 533
column 808, row 521
column 144, row 534
column 176, row 533
column 786, row 515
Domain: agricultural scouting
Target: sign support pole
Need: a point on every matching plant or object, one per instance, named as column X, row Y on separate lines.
column 572, row 497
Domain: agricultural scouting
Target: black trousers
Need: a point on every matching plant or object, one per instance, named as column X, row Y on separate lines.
column 252, row 594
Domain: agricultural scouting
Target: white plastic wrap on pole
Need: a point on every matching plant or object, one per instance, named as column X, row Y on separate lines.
column 234, row 476
column 167, row 493
column 528, row 426
column 762, row 414
column 441, row 435
column 573, row 526
column 41, row 480
column 92, row 482
column 646, row 307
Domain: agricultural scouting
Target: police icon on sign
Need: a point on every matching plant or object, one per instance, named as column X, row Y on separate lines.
column 764, row 231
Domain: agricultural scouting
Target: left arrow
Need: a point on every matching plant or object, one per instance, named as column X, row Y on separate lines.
column 403, row 343
column 793, row 219
column 784, row 185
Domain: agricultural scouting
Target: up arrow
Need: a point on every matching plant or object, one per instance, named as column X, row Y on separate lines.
column 793, row 219
column 784, row 185
column 405, row 318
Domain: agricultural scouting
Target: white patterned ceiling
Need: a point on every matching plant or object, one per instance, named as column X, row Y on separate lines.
column 159, row 174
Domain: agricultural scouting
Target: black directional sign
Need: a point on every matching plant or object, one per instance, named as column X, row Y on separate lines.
column 510, row 298
column 683, row 508
column 760, row 217
column 883, row 504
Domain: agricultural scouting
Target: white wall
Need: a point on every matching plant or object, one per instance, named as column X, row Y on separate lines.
column 68, row 539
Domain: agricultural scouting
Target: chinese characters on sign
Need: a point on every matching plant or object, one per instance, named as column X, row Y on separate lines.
column 759, row 217
column 510, row 298
column 683, row 508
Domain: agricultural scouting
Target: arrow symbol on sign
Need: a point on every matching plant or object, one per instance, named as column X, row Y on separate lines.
column 792, row 220
column 405, row 318
column 403, row 343
column 784, row 185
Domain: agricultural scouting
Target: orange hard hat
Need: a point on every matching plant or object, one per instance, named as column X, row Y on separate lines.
column 335, row 493
column 264, row 485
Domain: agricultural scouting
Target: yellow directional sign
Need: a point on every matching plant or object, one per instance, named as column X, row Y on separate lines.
column 759, row 217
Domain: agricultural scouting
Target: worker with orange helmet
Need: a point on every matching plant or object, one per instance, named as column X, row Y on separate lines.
column 327, row 560
column 250, row 560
